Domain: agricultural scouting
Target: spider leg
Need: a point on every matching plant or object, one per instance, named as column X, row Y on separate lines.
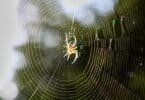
column 75, row 42
column 66, row 40
column 65, row 55
column 75, row 47
column 76, row 57
column 68, row 57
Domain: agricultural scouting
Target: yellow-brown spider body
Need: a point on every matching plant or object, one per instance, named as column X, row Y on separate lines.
column 71, row 49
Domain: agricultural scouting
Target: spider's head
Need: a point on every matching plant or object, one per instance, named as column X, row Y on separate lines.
column 70, row 44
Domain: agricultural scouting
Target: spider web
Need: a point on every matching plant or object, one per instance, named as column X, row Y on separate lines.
column 110, row 64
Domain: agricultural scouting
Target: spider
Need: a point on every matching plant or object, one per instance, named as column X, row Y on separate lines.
column 71, row 48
